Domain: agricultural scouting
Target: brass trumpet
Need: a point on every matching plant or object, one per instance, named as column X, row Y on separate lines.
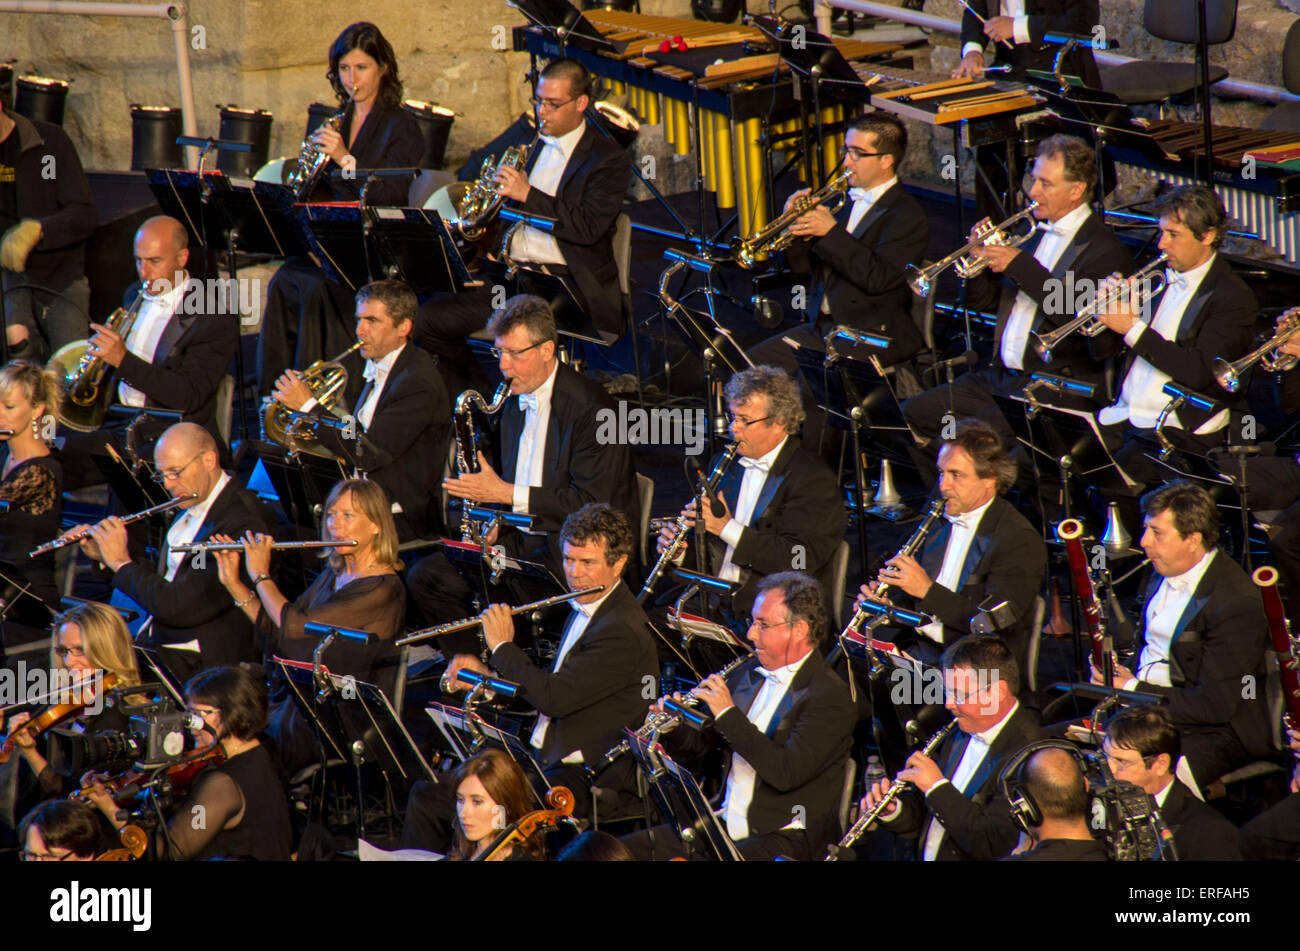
column 776, row 235
column 1269, row 356
column 963, row 260
column 1087, row 322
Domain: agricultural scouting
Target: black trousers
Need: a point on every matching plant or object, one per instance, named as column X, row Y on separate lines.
column 1273, row 835
column 307, row 318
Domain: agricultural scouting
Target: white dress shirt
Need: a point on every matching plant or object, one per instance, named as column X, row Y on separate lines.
column 1019, row 23
column 530, row 244
column 1056, row 238
column 1141, row 398
column 183, row 531
column 1161, row 619
column 977, row 748
column 863, row 199
column 741, row 778
column 751, row 486
column 378, row 372
column 960, row 536
column 142, row 339
column 532, row 441
column 579, row 619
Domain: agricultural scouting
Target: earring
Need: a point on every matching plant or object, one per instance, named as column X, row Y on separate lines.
column 36, row 430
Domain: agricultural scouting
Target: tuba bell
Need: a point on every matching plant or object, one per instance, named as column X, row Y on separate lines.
column 326, row 379
column 86, row 379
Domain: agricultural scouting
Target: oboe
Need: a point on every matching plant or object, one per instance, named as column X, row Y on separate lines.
column 66, row 540
column 859, row 828
column 661, row 723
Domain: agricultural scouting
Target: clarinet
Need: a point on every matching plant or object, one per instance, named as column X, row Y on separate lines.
column 679, row 539
column 910, row 548
column 859, row 828
column 661, row 723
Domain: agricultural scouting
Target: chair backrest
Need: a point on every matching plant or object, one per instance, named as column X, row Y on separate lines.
column 847, row 793
column 623, row 252
column 1175, row 20
column 645, row 491
column 839, row 577
column 1291, row 59
column 1035, row 643
column 225, row 398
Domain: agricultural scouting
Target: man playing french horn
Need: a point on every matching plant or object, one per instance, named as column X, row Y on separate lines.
column 398, row 434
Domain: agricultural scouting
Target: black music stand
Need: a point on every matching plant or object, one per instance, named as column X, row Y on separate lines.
column 682, row 802
column 558, row 291
column 356, row 722
column 302, row 482
column 464, row 733
column 562, row 20
column 18, row 603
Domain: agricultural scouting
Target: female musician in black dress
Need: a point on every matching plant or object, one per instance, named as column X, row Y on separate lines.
column 31, row 481
column 491, row 793
column 308, row 317
column 242, row 801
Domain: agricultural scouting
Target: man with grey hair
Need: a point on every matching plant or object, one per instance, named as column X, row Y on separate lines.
column 778, row 508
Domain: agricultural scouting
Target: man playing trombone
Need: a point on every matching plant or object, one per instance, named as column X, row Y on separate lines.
column 192, row 618
column 1072, row 250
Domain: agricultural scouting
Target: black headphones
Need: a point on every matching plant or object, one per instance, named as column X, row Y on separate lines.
column 1024, row 810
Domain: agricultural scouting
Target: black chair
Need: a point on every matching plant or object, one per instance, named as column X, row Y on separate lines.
column 1148, row 81
column 1286, row 116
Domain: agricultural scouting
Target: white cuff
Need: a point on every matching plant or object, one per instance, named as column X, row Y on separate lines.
column 1020, row 27
column 731, row 532
column 520, row 503
column 1134, row 334
column 308, row 406
column 972, row 48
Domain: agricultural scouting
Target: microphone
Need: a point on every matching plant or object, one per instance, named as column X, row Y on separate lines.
column 967, row 358
column 1188, row 396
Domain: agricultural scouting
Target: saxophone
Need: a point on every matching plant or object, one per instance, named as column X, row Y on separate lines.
column 85, row 376
column 480, row 204
column 311, row 160
column 467, row 439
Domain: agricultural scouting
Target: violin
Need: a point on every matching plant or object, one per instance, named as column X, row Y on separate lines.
column 134, row 840
column 52, row 716
column 560, row 798
column 181, row 775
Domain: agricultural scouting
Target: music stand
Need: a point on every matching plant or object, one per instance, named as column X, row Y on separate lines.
column 302, row 482
column 465, row 733
column 19, row 604
column 562, row 19
column 558, row 291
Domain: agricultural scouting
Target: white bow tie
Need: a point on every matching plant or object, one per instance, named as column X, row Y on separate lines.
column 965, row 520
column 528, row 401
column 771, row 676
column 371, row 372
column 551, row 141
column 1046, row 227
column 1175, row 278
column 756, row 464
column 859, row 194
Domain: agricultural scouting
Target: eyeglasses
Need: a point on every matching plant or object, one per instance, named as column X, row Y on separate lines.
column 857, row 154
column 202, row 713
column 763, row 625
column 162, row 475
column 29, row 856
column 64, row 652
column 551, row 104
column 742, row 421
column 500, row 352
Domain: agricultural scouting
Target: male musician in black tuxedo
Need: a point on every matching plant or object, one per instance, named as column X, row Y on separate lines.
column 1022, row 24
column 173, row 357
column 955, row 806
column 1055, row 785
column 578, row 177
column 786, row 722
column 779, row 506
column 1202, row 639
column 1204, row 312
column 1142, row 747
column 983, row 550
column 605, row 668
column 552, row 461
column 194, row 621
column 398, row 435
column 1071, row 252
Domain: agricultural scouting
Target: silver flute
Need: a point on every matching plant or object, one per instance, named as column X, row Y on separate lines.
column 278, row 546
column 65, row 540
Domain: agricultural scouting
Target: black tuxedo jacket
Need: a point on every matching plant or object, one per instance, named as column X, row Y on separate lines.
column 978, row 826
column 600, row 687
column 1219, row 321
column 194, row 605
column 192, row 355
column 1219, row 641
column 1044, row 16
column 863, row 273
column 799, row 758
column 578, row 468
column 1201, row 833
column 1092, row 255
column 405, row 448
column 797, row 522
column 584, row 207
column 390, row 138
column 1006, row 561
